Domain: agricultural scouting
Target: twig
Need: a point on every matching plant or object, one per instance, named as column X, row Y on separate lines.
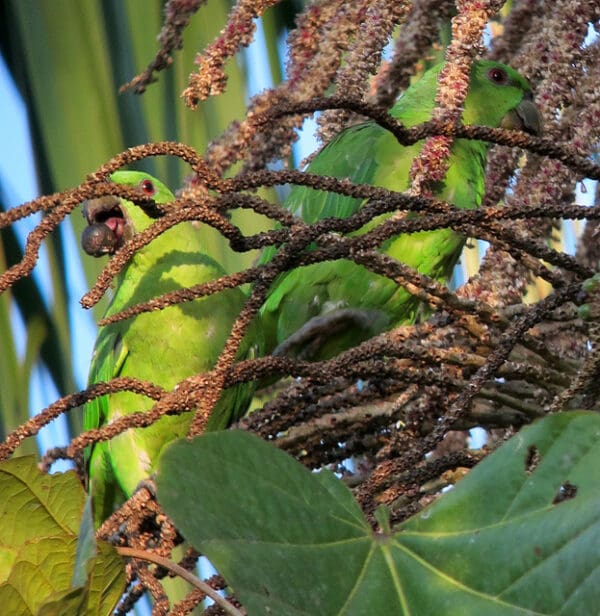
column 183, row 573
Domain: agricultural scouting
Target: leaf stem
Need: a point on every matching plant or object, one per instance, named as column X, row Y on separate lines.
column 184, row 573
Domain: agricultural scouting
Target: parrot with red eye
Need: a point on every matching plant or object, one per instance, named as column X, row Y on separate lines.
column 163, row 347
column 319, row 310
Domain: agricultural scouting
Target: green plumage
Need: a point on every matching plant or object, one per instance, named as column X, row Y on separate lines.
column 163, row 346
column 367, row 153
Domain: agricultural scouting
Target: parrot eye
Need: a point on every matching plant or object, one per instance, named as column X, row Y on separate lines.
column 147, row 186
column 498, row 75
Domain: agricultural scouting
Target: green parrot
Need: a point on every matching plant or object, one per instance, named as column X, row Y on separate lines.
column 316, row 311
column 163, row 346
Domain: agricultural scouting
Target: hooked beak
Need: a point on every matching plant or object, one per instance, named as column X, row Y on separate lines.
column 525, row 117
column 107, row 226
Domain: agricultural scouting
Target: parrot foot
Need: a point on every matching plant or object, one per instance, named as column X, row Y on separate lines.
column 147, row 484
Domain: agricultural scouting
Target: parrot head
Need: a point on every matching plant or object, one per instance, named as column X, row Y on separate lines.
column 495, row 88
column 112, row 220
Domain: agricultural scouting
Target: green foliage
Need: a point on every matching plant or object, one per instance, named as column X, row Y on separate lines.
column 42, row 569
column 518, row 535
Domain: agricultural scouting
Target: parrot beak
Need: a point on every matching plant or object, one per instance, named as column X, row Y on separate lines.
column 107, row 226
column 525, row 117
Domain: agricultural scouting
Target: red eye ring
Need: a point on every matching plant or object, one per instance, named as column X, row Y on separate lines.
column 498, row 75
column 147, row 186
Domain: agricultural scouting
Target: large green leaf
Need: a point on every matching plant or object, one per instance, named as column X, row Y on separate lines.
column 40, row 516
column 519, row 535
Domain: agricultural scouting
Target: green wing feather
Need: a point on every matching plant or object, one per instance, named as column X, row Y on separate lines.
column 367, row 153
